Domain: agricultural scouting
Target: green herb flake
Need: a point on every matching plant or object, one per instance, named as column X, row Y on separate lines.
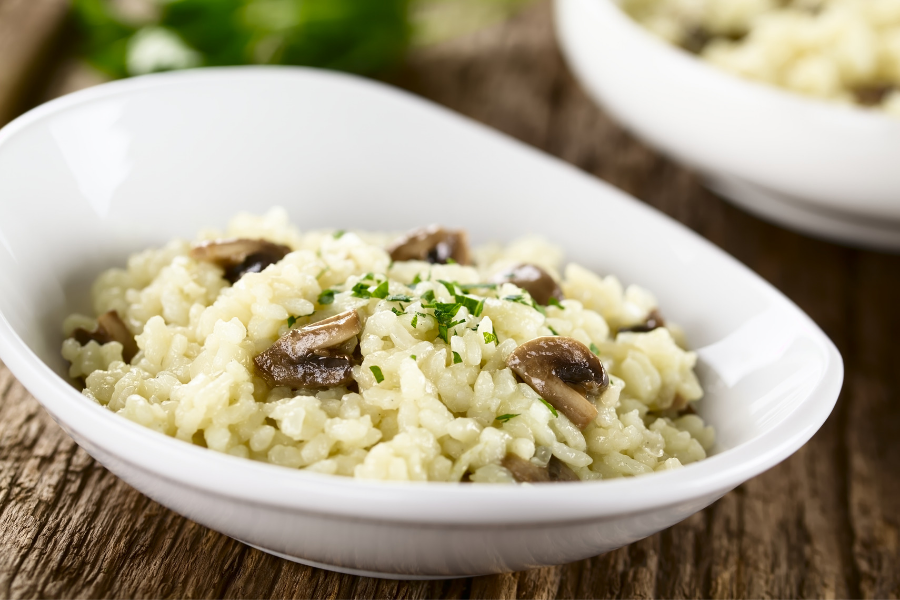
column 553, row 331
column 470, row 303
column 382, row 290
column 415, row 320
column 595, row 349
column 490, row 337
column 449, row 308
column 379, row 376
column 505, row 418
column 428, row 296
column 326, row 297
column 291, row 320
column 451, row 287
column 456, row 358
column 398, row 298
column 398, row 311
column 412, row 356
column 416, row 280
column 554, row 302
column 549, row 407
column 479, row 308
column 338, row 234
column 450, row 261
column 468, row 287
column 526, row 302
column 361, row 290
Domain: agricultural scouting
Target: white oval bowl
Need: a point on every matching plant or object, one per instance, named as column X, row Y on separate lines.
column 823, row 168
column 89, row 178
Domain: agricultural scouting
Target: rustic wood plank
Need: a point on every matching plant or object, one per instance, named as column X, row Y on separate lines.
column 824, row 523
column 29, row 30
column 873, row 442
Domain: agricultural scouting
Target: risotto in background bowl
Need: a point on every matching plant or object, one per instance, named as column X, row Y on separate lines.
column 135, row 164
column 810, row 159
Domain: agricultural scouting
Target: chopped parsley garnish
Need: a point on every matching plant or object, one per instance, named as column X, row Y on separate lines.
column 450, row 261
column 379, row 376
column 416, row 280
column 450, row 308
column 490, row 337
column 398, row 311
column 505, row 418
column 479, row 308
column 526, row 301
column 382, row 290
column 361, row 290
column 451, row 287
column 428, row 296
column 468, row 287
column 595, row 349
column 398, row 298
column 549, row 407
column 470, row 303
column 444, row 313
column 339, row 234
column 415, row 320
column 554, row 302
column 553, row 331
column 456, row 358
column 291, row 320
column 326, row 297
column 412, row 356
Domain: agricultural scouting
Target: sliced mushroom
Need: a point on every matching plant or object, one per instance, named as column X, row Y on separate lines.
column 307, row 357
column 110, row 328
column 239, row 256
column 433, row 244
column 533, row 280
column 872, row 95
column 654, row 320
column 525, row 471
column 560, row 471
column 562, row 370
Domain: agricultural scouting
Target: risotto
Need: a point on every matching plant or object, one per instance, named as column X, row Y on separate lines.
column 842, row 50
column 381, row 356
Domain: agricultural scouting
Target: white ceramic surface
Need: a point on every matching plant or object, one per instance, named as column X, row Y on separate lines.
column 89, row 178
column 825, row 169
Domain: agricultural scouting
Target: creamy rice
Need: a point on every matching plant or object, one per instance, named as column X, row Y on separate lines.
column 428, row 410
column 841, row 50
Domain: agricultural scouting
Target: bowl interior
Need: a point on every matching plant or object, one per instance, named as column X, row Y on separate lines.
column 91, row 178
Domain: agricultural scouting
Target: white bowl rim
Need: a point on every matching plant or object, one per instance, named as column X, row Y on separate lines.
column 850, row 113
column 432, row 503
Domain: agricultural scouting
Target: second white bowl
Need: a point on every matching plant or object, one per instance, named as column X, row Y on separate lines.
column 826, row 169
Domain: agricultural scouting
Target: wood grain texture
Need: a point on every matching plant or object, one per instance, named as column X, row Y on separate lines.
column 824, row 523
column 28, row 34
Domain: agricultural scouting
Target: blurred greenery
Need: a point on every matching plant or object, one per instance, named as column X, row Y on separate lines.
column 133, row 37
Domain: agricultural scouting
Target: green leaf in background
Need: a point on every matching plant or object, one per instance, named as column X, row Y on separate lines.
column 361, row 36
column 134, row 37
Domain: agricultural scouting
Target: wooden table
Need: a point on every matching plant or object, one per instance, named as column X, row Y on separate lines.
column 825, row 523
